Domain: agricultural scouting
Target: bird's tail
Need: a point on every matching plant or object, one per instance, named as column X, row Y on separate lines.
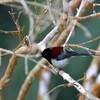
column 73, row 53
column 85, row 54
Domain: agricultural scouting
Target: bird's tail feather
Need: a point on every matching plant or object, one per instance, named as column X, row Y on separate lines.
column 73, row 53
column 85, row 54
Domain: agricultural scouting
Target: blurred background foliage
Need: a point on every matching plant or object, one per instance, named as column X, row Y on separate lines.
column 76, row 67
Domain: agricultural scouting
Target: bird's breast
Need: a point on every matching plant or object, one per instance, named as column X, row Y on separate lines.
column 59, row 63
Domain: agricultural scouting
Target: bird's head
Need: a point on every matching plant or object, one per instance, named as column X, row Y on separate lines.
column 46, row 53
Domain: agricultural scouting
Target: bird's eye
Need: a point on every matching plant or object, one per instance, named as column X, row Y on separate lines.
column 45, row 54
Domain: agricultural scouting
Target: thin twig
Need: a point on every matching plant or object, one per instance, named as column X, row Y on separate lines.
column 87, row 17
column 92, row 40
column 84, row 48
column 73, row 27
column 30, row 17
column 26, row 65
column 62, row 85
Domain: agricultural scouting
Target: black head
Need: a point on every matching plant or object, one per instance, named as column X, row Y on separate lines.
column 46, row 53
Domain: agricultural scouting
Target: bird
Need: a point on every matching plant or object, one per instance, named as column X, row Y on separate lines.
column 59, row 56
